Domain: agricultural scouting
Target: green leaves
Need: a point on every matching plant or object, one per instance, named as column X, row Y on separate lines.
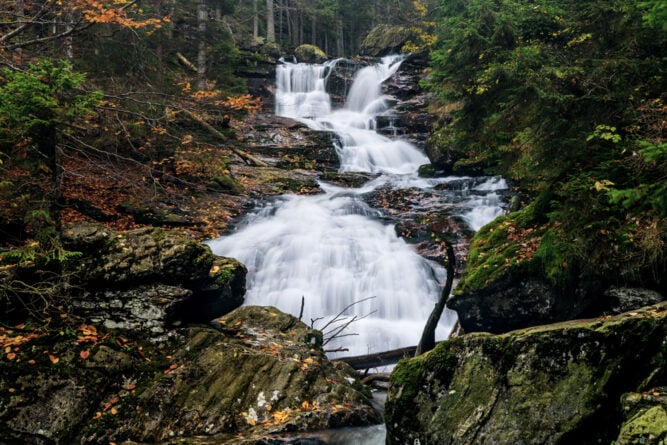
column 46, row 94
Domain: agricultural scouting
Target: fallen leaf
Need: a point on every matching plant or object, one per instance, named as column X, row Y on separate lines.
column 11, row 356
column 97, row 415
column 53, row 358
column 84, row 354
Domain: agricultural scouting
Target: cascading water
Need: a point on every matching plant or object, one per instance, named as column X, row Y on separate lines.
column 331, row 249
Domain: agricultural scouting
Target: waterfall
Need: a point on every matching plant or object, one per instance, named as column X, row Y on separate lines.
column 331, row 249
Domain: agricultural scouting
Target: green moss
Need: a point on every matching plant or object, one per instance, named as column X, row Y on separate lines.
column 646, row 427
column 227, row 184
column 405, row 385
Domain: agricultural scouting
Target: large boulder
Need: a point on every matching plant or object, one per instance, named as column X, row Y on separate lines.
column 261, row 372
column 310, row 54
column 515, row 301
column 384, row 40
column 553, row 384
column 253, row 373
column 148, row 279
column 521, row 273
column 289, row 144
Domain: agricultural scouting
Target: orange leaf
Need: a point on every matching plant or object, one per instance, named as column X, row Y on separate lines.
column 84, row 354
column 11, row 356
column 53, row 358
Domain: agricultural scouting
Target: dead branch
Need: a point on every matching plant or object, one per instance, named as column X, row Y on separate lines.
column 427, row 341
column 184, row 60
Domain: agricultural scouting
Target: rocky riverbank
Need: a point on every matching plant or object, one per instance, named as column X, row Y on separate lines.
column 127, row 361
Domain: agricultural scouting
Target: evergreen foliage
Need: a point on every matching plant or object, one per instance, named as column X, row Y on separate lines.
column 565, row 98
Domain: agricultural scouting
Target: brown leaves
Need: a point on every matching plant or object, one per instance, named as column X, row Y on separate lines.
column 283, row 416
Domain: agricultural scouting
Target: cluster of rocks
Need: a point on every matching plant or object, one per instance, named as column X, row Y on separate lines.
column 139, row 359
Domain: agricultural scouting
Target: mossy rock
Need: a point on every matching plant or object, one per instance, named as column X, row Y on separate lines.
column 227, row 184
column 310, row 54
column 260, row 371
column 427, row 171
column 647, row 427
column 384, row 40
column 552, row 384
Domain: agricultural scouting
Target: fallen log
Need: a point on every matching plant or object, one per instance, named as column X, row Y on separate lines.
column 386, row 358
column 378, row 359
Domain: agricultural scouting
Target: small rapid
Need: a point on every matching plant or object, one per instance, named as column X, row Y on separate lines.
column 333, row 250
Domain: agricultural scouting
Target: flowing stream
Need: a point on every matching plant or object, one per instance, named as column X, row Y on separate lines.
column 333, row 249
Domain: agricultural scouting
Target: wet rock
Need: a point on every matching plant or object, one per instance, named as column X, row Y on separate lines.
column 348, row 179
column 254, row 373
column 645, row 418
column 517, row 301
column 289, row 144
column 340, row 79
column 623, row 299
column 552, row 384
column 149, row 279
column 259, row 372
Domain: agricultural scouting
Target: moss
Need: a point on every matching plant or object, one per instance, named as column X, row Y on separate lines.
column 427, row 171
column 521, row 243
column 310, row 54
column 648, row 427
column 227, row 184
column 405, row 385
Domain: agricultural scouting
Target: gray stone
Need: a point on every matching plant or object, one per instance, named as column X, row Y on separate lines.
column 623, row 299
column 552, row 384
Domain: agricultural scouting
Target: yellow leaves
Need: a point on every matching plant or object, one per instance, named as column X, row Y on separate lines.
column 602, row 186
column 281, row 416
column 115, row 12
column 187, row 139
column 245, row 102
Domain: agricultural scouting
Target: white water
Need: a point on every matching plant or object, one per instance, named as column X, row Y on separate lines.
column 331, row 249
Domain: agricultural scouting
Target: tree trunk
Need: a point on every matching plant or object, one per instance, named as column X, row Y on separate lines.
column 300, row 28
column 313, row 30
column 427, row 341
column 255, row 20
column 270, row 25
column 202, row 17
column 281, row 10
column 340, row 42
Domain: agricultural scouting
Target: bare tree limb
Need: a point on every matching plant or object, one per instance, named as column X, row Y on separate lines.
column 427, row 341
